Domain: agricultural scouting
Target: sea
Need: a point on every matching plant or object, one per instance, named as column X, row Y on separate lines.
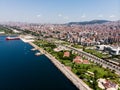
column 21, row 69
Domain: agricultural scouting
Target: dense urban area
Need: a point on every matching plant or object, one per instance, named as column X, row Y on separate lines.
column 91, row 51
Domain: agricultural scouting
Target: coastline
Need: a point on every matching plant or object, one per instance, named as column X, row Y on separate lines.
column 69, row 74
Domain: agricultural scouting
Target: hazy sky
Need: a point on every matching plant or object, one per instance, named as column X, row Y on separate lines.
column 58, row 11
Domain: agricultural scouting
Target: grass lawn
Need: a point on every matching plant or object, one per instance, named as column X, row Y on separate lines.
column 96, row 53
column 100, row 70
column 1, row 30
column 67, row 62
column 65, row 43
column 77, row 46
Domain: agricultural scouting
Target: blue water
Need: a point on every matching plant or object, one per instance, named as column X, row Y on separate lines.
column 20, row 69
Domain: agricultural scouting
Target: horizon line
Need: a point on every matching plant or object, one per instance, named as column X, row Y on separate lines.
column 56, row 23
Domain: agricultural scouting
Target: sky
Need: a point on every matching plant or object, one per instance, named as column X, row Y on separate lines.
column 58, row 11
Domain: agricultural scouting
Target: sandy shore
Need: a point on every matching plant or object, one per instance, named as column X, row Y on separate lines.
column 69, row 74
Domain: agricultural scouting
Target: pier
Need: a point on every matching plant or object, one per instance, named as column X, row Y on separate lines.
column 69, row 74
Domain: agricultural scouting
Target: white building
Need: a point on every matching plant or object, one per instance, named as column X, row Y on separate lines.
column 2, row 32
column 111, row 49
column 115, row 51
column 16, row 31
column 100, row 47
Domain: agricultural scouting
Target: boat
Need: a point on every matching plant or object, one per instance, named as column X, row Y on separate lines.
column 12, row 38
column 33, row 49
column 38, row 54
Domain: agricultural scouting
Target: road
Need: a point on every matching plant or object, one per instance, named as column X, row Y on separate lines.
column 102, row 62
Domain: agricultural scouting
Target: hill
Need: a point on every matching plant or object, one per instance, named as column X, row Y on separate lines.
column 89, row 22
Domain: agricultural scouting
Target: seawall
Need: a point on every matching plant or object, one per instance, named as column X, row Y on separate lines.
column 69, row 74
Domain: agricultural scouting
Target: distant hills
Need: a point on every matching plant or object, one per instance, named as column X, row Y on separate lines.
column 89, row 22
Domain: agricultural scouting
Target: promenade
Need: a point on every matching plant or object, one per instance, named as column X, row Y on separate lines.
column 69, row 74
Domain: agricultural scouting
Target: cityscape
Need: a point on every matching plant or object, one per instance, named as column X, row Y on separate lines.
column 60, row 45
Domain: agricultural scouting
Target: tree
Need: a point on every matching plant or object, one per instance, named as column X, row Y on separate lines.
column 95, row 84
column 73, row 64
column 87, row 67
column 105, row 76
column 78, row 72
column 113, row 71
column 84, row 48
column 82, row 76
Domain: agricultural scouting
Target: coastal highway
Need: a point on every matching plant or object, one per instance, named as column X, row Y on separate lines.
column 95, row 59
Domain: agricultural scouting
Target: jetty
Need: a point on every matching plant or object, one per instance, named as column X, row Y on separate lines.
column 69, row 74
